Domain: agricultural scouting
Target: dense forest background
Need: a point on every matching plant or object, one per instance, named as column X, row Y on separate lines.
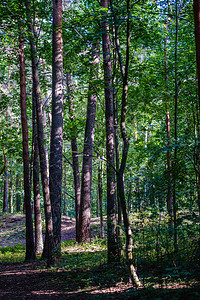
column 154, row 86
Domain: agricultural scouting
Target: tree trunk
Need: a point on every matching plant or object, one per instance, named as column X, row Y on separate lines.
column 169, row 164
column 11, row 193
column 30, row 250
column 75, row 164
column 196, row 8
column 100, row 196
column 55, row 164
column 116, row 127
column 5, row 193
column 49, row 242
column 113, row 252
column 36, row 186
column 5, row 190
column 169, row 170
column 64, row 188
column 176, row 136
column 84, row 234
column 120, row 172
column 17, row 193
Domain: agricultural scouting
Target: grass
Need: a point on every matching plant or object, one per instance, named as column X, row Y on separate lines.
column 12, row 253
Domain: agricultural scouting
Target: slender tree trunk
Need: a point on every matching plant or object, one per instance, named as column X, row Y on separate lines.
column 196, row 154
column 5, row 193
column 176, row 136
column 65, row 188
column 11, row 193
column 36, row 186
column 113, row 251
column 97, row 211
column 56, row 145
column 5, row 196
column 116, row 126
column 75, row 164
column 37, row 208
column 100, row 196
column 45, row 138
column 196, row 9
column 169, row 164
column 30, row 249
column 169, row 169
column 49, row 242
column 77, row 184
column 84, row 234
column 17, row 192
column 120, row 172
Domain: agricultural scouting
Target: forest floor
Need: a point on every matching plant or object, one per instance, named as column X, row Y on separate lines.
column 82, row 272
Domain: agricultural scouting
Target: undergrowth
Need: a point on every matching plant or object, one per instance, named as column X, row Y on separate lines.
column 12, row 253
column 84, row 266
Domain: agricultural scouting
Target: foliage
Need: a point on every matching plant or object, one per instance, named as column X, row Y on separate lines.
column 12, row 253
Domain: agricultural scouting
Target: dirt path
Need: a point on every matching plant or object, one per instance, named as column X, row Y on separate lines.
column 29, row 281
column 68, row 229
column 33, row 280
column 12, row 229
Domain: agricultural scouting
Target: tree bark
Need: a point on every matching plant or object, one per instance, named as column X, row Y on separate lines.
column 116, row 127
column 11, row 194
column 49, row 242
column 56, row 145
column 175, row 134
column 5, row 193
column 113, row 252
column 30, row 250
column 168, row 128
column 84, row 234
column 120, row 172
column 196, row 9
column 75, row 163
column 64, row 187
column 5, row 189
column 17, row 193
column 100, row 196
column 36, row 185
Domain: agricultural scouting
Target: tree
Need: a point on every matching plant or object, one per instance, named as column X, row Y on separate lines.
column 74, row 148
column 56, row 144
column 30, row 249
column 175, row 130
column 84, row 234
column 5, row 193
column 196, row 9
column 36, row 184
column 113, row 254
column 121, row 170
column 49, row 242
column 168, row 128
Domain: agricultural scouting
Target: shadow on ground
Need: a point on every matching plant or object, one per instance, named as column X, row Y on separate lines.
column 33, row 281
